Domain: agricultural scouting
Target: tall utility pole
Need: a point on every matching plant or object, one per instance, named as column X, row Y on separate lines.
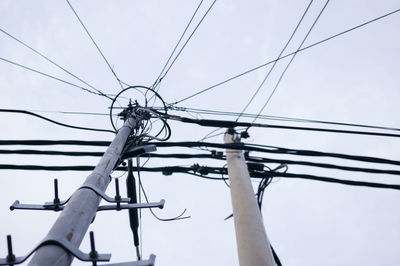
column 252, row 242
column 77, row 215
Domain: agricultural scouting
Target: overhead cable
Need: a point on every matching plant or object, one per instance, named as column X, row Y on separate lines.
column 55, row 122
column 286, row 55
column 49, row 76
column 274, row 64
column 95, row 44
column 207, row 170
column 96, row 91
column 291, row 60
column 177, row 44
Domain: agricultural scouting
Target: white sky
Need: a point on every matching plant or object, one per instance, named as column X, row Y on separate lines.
column 353, row 78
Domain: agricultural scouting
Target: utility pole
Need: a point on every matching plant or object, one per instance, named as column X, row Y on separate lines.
column 81, row 209
column 252, row 242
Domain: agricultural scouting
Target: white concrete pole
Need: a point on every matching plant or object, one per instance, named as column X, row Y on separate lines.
column 252, row 242
column 79, row 212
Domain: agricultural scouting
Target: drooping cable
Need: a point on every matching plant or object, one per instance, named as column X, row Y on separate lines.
column 274, row 64
column 280, row 118
column 96, row 91
column 209, row 156
column 53, row 121
column 95, row 44
column 178, row 217
column 286, row 55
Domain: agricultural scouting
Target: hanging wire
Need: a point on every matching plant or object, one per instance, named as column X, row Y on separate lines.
column 178, row 217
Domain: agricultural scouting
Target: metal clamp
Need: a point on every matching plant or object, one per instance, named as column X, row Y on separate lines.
column 150, row 262
column 93, row 256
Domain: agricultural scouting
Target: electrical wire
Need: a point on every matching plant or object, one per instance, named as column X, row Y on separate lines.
column 184, row 45
column 158, row 80
column 287, row 55
column 207, row 156
column 210, row 170
column 50, row 76
column 232, row 124
column 95, row 44
column 96, row 91
column 274, row 64
column 191, row 144
column 178, row 217
column 279, row 118
column 291, row 60
column 53, row 121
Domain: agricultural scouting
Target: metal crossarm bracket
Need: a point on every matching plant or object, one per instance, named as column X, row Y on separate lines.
column 159, row 204
column 17, row 206
column 150, row 262
column 93, row 256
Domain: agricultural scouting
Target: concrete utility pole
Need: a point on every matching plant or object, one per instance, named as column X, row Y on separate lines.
column 77, row 215
column 252, row 242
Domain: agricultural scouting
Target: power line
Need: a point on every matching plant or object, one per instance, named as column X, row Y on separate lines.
column 55, row 64
column 53, row 121
column 177, row 44
column 50, row 76
column 291, row 60
column 206, row 156
column 280, row 118
column 190, row 144
column 232, row 124
column 190, row 36
column 205, row 171
column 95, row 44
column 287, row 55
column 274, row 64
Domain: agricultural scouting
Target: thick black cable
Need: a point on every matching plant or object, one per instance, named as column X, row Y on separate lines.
column 207, row 156
column 53, row 121
column 287, row 55
column 55, row 142
column 280, row 118
column 177, row 44
column 97, row 91
column 95, row 44
column 184, row 45
column 190, row 144
column 49, row 76
column 214, row 170
column 232, row 124
column 291, row 60
column 274, row 64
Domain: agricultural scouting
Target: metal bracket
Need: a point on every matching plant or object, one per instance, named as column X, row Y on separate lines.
column 150, row 262
column 93, row 256
column 58, row 205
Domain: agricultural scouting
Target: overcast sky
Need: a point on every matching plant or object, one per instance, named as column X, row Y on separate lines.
column 353, row 78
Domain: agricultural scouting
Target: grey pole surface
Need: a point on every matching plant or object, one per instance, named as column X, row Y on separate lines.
column 252, row 242
column 74, row 220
